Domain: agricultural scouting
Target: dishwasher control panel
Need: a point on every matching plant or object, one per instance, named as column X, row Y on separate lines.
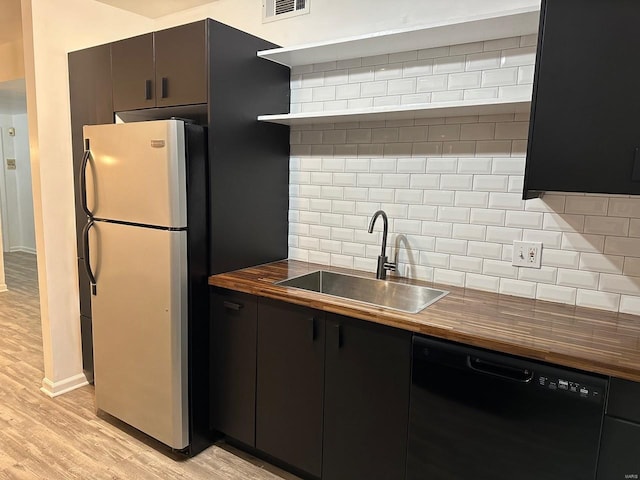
column 569, row 386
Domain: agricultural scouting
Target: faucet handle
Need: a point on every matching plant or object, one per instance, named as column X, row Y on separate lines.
column 390, row 266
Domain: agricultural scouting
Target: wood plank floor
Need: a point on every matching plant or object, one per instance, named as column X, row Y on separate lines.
column 62, row 438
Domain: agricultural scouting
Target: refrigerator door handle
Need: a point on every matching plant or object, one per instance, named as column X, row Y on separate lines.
column 83, row 179
column 87, row 260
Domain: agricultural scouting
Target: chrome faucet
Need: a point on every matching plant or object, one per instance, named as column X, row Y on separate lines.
column 383, row 263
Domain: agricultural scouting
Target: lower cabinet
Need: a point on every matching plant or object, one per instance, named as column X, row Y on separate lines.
column 290, row 384
column 234, row 325
column 620, row 443
column 366, row 402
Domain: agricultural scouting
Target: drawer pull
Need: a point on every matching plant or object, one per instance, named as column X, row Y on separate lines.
column 232, row 306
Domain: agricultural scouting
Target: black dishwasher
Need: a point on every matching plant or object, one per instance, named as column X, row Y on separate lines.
column 480, row 415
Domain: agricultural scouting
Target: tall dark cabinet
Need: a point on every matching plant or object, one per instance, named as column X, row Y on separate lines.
column 208, row 72
column 584, row 134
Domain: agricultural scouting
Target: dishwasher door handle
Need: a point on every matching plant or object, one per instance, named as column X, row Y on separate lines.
column 508, row 372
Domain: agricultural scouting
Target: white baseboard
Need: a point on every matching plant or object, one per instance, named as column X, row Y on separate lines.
column 3, row 287
column 53, row 389
column 23, row 249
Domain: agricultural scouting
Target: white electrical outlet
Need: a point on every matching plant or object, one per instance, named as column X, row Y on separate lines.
column 527, row 254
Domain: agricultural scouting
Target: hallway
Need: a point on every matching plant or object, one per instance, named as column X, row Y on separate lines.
column 62, row 438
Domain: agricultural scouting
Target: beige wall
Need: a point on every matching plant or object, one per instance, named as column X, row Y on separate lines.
column 51, row 29
column 11, row 61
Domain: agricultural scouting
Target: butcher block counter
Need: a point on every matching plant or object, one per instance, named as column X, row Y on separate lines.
column 593, row 340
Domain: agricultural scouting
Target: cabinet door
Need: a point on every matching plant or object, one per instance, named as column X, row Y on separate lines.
column 619, row 450
column 133, row 73
column 584, row 123
column 290, row 384
column 367, row 375
column 181, row 65
column 233, row 364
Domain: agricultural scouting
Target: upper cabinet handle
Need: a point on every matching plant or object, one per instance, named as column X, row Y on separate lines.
column 148, row 93
column 165, row 87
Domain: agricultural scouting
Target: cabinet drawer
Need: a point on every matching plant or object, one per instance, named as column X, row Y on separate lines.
column 624, row 400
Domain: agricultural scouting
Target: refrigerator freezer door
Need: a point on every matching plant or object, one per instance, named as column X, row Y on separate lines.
column 136, row 172
column 140, row 328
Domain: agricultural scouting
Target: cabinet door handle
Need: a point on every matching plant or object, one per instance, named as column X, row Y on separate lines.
column 312, row 325
column 339, row 336
column 164, row 87
column 147, row 90
column 232, row 306
column 635, row 176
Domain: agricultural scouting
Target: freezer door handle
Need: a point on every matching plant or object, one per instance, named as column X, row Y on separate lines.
column 87, row 261
column 83, row 179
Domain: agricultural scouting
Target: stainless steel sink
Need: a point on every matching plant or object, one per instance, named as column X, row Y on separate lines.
column 397, row 296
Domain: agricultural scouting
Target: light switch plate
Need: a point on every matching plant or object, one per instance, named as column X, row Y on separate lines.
column 527, row 254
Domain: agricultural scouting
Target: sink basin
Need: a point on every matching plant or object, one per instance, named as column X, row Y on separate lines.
column 397, row 296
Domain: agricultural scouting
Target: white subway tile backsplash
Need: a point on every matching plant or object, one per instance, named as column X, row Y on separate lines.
column 578, row 279
column 524, row 219
column 487, row 216
column 499, row 269
column 548, row 239
column 423, row 212
column 512, row 131
column 502, row 43
column 503, row 234
column 474, row 164
column 563, row 222
column 471, row 199
column 500, row 77
column 518, row 288
column 619, row 284
column 624, row 207
column 629, row 247
column 465, row 264
column 586, row 205
column 452, row 187
column 529, row 40
column 460, row 81
column 401, row 87
column 456, row 182
column 432, row 83
column 477, row 131
column 490, row 183
column 518, row 56
column 600, row 300
column 450, row 96
column 437, row 229
column 453, row 214
column 554, row 293
column 629, row 304
column 482, row 282
column 469, row 232
column 560, row 258
column 448, row 277
column 482, row 61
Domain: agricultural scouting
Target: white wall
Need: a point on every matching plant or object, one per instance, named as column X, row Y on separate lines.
column 51, row 29
column 19, row 198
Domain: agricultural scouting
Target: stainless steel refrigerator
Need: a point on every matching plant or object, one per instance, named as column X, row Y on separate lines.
column 134, row 179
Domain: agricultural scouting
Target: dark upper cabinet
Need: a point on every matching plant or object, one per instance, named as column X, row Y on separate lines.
column 290, row 384
column 585, row 128
column 234, row 323
column 366, row 403
column 160, row 69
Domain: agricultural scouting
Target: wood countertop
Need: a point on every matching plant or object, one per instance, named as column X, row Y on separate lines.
column 593, row 340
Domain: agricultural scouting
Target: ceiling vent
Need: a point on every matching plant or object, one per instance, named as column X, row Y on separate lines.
column 281, row 9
